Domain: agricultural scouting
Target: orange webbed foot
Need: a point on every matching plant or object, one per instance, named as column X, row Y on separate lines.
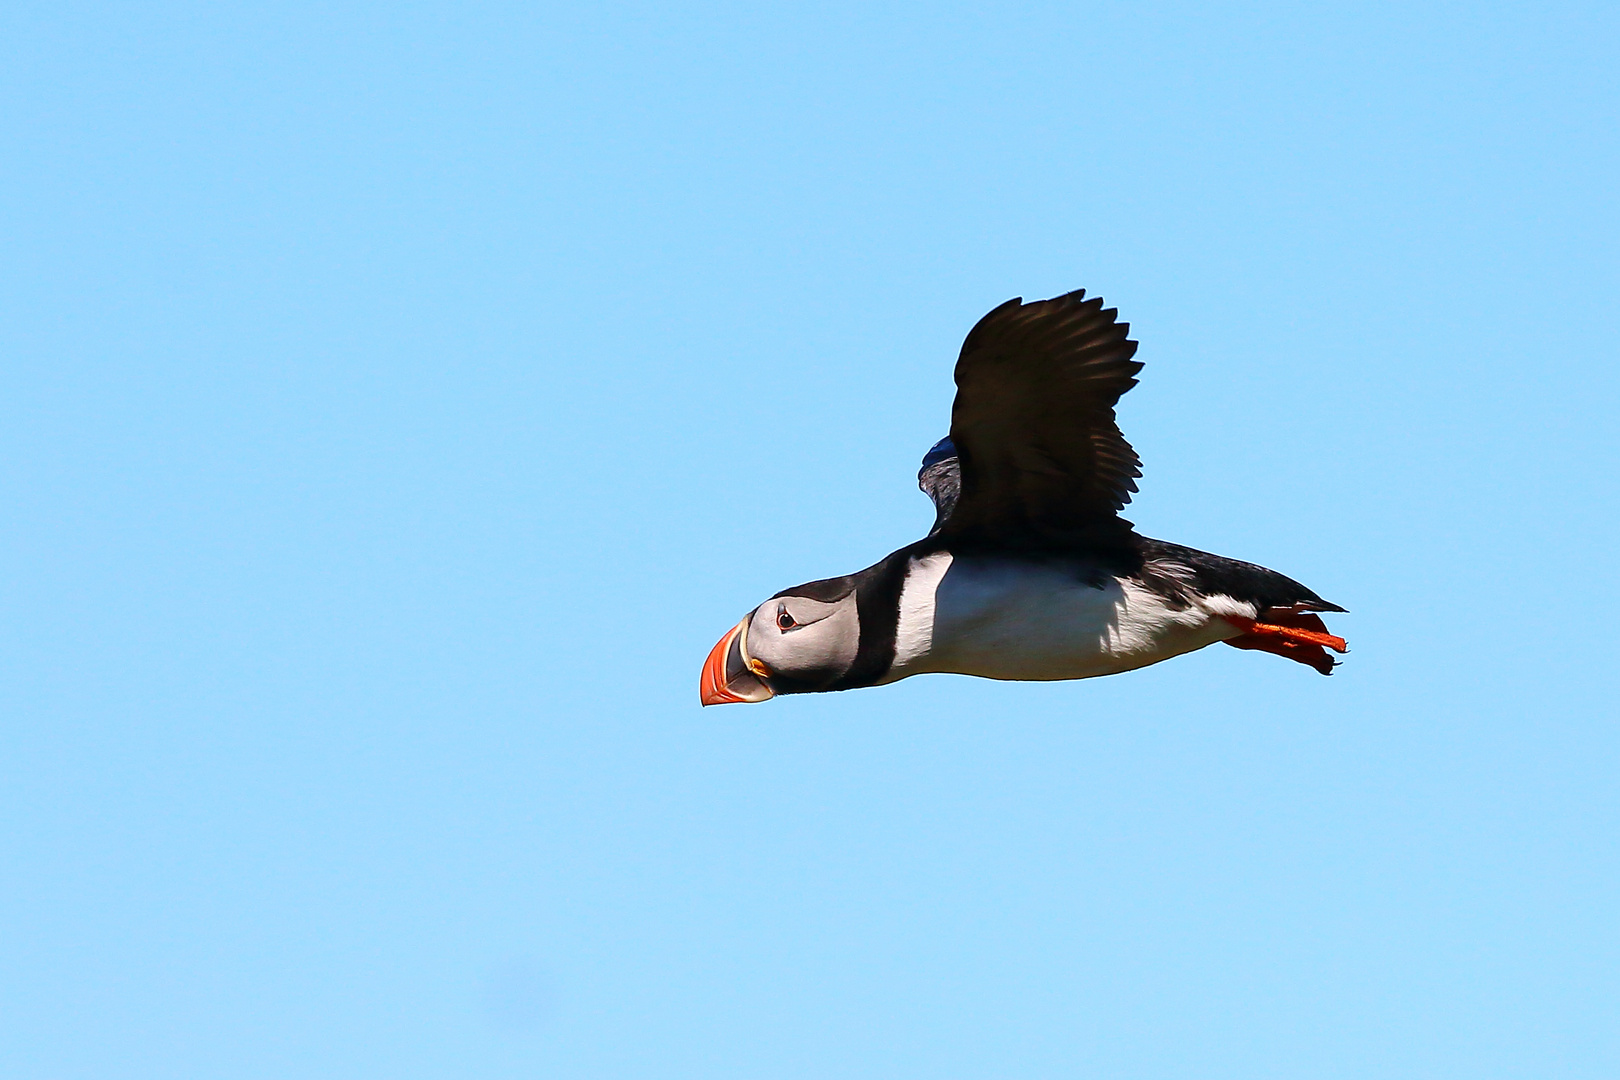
column 1299, row 636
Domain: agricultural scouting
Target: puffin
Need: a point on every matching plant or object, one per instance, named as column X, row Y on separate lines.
column 1029, row 572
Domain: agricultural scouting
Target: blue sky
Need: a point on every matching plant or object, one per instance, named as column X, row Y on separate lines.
column 399, row 401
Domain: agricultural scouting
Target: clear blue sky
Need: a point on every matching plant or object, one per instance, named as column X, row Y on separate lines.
column 399, row 400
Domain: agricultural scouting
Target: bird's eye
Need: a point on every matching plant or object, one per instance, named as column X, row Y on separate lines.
column 784, row 621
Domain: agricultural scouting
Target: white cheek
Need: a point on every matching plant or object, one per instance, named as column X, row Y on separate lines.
column 825, row 645
column 761, row 635
column 831, row 643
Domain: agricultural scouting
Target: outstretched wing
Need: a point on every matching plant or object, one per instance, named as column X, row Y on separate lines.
column 941, row 477
column 1042, row 461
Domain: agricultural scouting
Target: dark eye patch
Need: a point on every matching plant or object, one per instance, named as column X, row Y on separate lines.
column 791, row 615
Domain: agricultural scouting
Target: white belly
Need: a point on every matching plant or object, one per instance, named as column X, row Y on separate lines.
column 1004, row 619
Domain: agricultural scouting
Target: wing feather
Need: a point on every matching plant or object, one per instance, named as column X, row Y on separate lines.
column 1042, row 460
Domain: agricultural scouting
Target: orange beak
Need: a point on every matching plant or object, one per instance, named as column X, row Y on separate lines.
column 729, row 674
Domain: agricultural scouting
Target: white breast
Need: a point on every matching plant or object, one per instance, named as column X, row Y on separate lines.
column 1009, row 619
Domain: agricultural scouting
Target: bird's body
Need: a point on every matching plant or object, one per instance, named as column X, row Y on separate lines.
column 1043, row 619
column 1029, row 573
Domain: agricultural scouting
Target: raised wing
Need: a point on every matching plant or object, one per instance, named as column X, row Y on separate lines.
column 941, row 477
column 1042, row 462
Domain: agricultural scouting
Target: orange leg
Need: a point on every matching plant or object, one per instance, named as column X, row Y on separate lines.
column 1297, row 634
column 1302, row 644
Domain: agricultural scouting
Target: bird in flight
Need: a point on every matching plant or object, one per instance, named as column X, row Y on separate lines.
column 1029, row 572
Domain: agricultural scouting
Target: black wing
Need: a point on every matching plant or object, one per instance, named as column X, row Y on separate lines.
column 1043, row 464
column 941, row 477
